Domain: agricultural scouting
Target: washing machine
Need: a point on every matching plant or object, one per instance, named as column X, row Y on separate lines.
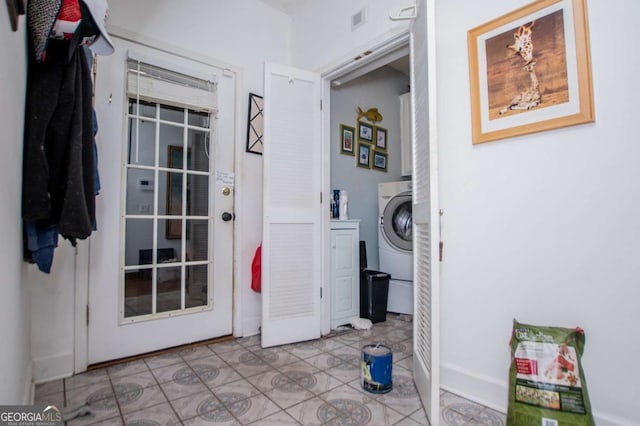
column 395, row 243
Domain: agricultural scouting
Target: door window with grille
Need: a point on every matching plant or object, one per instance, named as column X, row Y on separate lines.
column 167, row 218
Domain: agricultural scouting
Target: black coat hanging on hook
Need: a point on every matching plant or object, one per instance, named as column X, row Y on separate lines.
column 58, row 163
column 59, row 170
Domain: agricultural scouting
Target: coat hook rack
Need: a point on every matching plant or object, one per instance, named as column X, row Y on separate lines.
column 400, row 17
column 16, row 8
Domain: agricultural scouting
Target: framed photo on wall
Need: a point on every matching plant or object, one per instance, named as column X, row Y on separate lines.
column 381, row 138
column 347, row 134
column 364, row 155
column 173, row 227
column 530, row 71
column 380, row 161
column 255, row 126
column 365, row 131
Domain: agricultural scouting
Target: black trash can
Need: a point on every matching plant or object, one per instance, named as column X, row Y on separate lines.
column 374, row 291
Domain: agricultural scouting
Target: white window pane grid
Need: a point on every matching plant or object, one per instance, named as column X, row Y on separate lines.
column 175, row 275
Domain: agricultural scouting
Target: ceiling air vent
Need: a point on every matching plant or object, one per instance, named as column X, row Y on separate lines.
column 358, row 19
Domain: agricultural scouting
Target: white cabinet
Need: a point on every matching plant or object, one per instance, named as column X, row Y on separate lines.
column 405, row 134
column 345, row 271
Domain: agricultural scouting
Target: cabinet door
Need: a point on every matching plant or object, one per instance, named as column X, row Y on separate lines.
column 345, row 290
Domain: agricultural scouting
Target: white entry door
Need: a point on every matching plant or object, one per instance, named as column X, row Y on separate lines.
column 161, row 261
column 426, row 360
column 291, row 245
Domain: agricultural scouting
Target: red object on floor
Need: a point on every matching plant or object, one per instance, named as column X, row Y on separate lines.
column 256, row 270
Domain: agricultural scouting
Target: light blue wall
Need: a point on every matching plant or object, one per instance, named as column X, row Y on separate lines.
column 378, row 89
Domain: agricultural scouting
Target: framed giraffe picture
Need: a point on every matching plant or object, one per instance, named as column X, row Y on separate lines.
column 530, row 71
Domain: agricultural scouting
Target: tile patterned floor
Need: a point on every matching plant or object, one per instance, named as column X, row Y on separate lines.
column 239, row 383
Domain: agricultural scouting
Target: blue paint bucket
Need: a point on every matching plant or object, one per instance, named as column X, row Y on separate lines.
column 377, row 362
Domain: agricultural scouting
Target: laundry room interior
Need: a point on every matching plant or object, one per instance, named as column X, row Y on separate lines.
column 377, row 96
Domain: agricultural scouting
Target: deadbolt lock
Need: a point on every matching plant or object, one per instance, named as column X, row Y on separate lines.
column 226, row 190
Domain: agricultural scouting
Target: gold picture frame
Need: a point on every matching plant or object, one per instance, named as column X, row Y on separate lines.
column 379, row 161
column 364, row 155
column 530, row 71
column 365, row 132
column 347, row 139
column 381, row 138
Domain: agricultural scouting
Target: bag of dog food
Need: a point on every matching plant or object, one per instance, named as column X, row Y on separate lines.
column 547, row 386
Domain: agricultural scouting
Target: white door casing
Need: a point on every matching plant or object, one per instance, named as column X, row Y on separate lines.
column 426, row 360
column 405, row 134
column 108, row 336
column 292, row 240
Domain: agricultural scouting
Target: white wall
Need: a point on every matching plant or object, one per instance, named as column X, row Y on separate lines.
column 380, row 89
column 322, row 30
column 542, row 228
column 52, row 315
column 15, row 354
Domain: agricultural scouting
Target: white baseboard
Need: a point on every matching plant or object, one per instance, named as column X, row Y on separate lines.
column 606, row 419
column 475, row 387
column 52, row 367
column 493, row 393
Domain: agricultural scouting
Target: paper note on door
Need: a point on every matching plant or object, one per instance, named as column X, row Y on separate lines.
column 225, row 178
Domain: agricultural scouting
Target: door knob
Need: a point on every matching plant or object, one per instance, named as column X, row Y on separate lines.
column 226, row 216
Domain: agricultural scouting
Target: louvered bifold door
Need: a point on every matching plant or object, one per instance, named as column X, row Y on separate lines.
column 426, row 365
column 291, row 251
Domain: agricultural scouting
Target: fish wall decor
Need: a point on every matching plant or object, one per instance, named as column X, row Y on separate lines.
column 371, row 114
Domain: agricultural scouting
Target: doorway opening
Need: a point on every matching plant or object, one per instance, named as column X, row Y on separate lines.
column 375, row 94
column 296, row 199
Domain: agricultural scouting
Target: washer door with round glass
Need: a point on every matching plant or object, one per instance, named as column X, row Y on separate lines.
column 397, row 222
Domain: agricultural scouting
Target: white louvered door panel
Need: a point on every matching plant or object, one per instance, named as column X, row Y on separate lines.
column 426, row 362
column 291, row 247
